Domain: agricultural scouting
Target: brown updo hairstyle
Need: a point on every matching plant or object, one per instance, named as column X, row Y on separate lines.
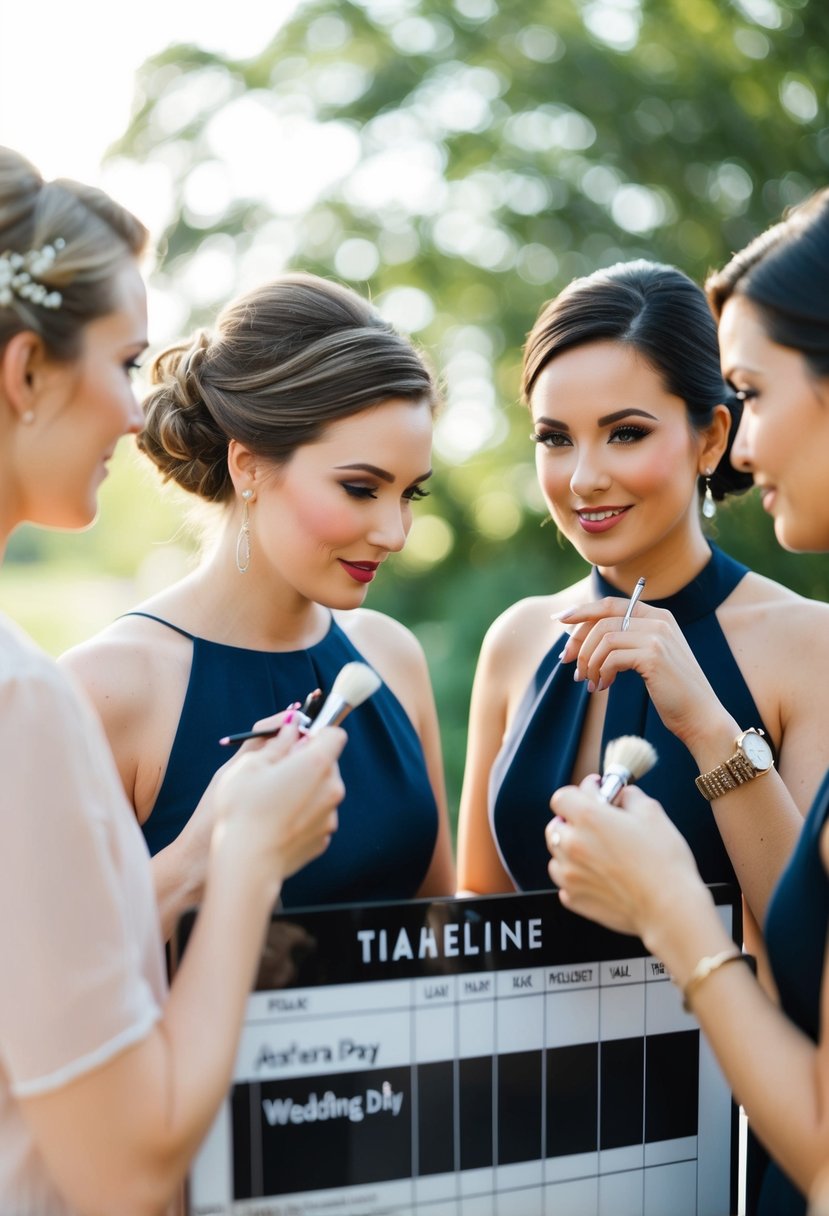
column 662, row 314
column 97, row 234
column 285, row 361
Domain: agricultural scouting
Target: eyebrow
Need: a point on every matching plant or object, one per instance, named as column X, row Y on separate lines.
column 740, row 367
column 607, row 420
column 383, row 474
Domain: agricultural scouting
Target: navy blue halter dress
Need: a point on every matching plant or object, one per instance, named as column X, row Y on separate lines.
column 795, row 932
column 388, row 820
column 540, row 752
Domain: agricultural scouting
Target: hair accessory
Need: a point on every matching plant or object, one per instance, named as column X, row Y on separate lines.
column 709, row 507
column 19, row 273
column 243, row 539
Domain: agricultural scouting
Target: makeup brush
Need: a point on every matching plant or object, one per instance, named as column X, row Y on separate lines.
column 626, row 759
column 354, row 684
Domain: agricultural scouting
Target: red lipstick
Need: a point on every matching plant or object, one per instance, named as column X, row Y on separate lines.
column 361, row 572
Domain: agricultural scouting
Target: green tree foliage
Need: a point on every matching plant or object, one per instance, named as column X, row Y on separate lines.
column 460, row 162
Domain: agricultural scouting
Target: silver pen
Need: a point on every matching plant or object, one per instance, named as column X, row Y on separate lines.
column 632, row 602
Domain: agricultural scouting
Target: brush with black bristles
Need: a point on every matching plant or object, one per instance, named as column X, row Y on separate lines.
column 626, row 759
column 354, row 684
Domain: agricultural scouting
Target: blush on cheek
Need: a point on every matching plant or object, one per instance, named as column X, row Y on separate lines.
column 326, row 522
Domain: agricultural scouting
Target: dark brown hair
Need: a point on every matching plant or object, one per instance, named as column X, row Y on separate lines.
column 285, row 360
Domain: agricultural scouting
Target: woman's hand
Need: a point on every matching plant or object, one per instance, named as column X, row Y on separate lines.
column 277, row 801
column 625, row 866
column 655, row 647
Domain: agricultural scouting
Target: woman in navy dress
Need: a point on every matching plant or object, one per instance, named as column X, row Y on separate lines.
column 632, row 422
column 307, row 420
column 633, row 871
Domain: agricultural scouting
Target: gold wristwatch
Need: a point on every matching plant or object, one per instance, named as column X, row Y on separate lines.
column 752, row 758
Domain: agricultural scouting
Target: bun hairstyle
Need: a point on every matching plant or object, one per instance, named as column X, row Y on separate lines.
column 784, row 272
column 92, row 235
column 284, row 362
column 663, row 315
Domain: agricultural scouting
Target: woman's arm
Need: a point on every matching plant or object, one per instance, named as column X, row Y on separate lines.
column 120, row 1137
column 440, row 877
column 480, row 869
column 135, row 675
column 634, row 873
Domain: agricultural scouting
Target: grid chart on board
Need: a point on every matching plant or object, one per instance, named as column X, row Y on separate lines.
column 475, row 1057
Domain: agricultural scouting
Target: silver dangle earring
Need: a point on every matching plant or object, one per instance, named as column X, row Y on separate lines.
column 709, row 507
column 243, row 539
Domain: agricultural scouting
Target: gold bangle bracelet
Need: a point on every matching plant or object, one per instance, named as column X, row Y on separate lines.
column 707, row 966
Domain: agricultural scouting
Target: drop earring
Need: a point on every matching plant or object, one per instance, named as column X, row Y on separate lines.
column 709, row 507
column 243, row 539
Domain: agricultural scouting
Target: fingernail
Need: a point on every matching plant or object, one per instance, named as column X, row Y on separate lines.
column 577, row 676
column 559, row 616
column 289, row 717
column 601, row 686
column 591, row 687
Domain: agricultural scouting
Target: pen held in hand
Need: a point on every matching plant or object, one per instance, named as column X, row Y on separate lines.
column 634, row 599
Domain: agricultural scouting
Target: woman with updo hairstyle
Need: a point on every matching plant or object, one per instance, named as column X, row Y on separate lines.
column 108, row 1081
column 308, row 420
column 629, row 868
column 632, row 426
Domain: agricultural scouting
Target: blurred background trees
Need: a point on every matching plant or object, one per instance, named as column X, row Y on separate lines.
column 458, row 163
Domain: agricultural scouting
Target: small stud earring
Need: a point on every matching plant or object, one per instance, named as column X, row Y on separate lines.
column 243, row 539
column 709, row 506
column 28, row 418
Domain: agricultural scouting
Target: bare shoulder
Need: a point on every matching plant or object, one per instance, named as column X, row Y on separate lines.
column 379, row 637
column 781, row 616
column 128, row 663
column 395, row 654
column 527, row 629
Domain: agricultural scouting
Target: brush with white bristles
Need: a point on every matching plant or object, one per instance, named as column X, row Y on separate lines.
column 354, row 684
column 626, row 759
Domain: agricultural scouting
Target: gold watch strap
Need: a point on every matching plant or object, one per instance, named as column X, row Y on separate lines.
column 736, row 771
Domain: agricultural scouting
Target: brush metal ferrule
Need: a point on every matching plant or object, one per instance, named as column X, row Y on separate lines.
column 614, row 780
column 332, row 713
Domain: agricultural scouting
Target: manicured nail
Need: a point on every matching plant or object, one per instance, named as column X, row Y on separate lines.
column 289, row 717
column 577, row 676
column 560, row 616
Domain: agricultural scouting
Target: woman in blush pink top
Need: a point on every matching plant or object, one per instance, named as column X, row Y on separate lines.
column 108, row 1082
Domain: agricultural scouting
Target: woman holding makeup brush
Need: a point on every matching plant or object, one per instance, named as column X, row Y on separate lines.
column 632, row 423
column 633, row 871
column 108, row 1082
column 307, row 421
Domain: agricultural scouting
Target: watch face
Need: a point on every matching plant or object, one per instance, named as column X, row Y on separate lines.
column 755, row 748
